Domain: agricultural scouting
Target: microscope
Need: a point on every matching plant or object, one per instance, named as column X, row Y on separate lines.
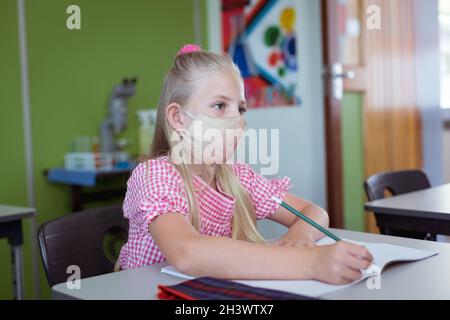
column 116, row 120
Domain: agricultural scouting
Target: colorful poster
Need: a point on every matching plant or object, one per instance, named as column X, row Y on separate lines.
column 261, row 37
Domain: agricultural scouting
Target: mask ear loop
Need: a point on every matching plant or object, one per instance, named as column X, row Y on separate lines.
column 187, row 112
column 213, row 172
column 190, row 115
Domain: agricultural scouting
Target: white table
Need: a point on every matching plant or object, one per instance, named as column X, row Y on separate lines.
column 427, row 279
column 427, row 210
column 11, row 228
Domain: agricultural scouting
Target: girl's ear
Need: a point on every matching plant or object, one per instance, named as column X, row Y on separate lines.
column 175, row 117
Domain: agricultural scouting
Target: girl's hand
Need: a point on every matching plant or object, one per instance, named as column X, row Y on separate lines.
column 340, row 263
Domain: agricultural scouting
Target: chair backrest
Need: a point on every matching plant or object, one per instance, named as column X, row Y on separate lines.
column 397, row 182
column 79, row 239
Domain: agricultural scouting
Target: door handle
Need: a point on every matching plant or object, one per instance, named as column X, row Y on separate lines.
column 344, row 75
column 336, row 76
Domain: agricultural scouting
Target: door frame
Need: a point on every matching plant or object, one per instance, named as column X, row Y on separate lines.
column 355, row 83
column 332, row 114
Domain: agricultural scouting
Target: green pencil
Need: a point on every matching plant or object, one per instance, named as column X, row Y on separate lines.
column 373, row 268
column 308, row 220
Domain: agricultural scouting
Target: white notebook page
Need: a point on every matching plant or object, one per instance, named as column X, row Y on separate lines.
column 383, row 254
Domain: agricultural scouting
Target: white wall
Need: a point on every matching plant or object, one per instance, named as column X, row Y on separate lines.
column 446, row 144
column 302, row 149
column 428, row 93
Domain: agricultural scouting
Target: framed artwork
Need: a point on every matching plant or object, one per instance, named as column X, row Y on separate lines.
column 261, row 37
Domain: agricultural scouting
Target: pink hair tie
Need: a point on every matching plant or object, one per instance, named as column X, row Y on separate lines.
column 188, row 48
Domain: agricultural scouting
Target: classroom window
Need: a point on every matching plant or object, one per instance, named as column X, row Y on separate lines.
column 444, row 23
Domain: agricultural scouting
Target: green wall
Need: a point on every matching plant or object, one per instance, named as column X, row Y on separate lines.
column 12, row 161
column 71, row 75
column 353, row 161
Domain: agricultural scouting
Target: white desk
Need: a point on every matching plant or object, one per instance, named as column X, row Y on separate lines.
column 427, row 279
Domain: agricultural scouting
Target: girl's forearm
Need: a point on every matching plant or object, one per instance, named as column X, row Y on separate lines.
column 234, row 259
column 301, row 230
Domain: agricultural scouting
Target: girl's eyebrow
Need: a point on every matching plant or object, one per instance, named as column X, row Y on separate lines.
column 220, row 96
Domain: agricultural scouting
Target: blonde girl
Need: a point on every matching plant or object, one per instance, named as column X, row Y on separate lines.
column 200, row 213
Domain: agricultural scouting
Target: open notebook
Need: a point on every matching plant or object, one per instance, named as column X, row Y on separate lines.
column 383, row 254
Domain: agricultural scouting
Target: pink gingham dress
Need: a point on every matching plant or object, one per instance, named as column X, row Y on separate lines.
column 156, row 187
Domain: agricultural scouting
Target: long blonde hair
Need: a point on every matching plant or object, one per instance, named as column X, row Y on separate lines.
column 179, row 84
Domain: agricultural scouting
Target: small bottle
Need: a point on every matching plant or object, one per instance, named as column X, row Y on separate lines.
column 146, row 130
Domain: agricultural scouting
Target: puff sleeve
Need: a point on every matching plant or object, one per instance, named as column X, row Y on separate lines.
column 155, row 187
column 262, row 189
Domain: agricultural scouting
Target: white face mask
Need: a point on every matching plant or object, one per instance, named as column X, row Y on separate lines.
column 212, row 140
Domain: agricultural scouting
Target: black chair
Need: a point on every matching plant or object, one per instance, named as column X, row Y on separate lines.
column 88, row 239
column 398, row 182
